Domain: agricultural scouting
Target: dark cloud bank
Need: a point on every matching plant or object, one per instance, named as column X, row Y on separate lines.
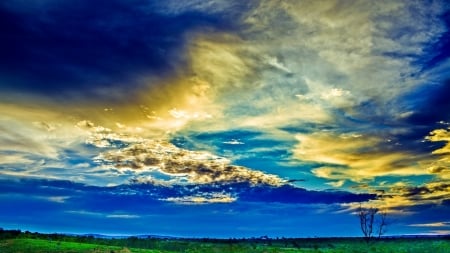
column 134, row 193
column 51, row 47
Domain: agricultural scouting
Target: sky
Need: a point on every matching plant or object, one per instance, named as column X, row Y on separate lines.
column 205, row 118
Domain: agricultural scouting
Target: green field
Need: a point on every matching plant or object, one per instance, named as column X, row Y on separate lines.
column 34, row 242
column 46, row 246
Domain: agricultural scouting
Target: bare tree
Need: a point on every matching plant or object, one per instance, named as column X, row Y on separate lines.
column 372, row 222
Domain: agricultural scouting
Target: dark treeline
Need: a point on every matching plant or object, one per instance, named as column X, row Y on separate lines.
column 176, row 244
column 173, row 244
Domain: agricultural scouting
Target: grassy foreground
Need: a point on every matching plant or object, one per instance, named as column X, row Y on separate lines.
column 34, row 242
column 46, row 246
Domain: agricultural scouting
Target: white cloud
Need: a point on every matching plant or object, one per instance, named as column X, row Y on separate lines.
column 233, row 142
column 274, row 62
column 202, row 199
column 58, row 199
column 182, row 114
column 347, row 54
column 122, row 216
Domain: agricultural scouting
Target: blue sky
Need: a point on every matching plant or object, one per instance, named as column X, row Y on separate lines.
column 224, row 118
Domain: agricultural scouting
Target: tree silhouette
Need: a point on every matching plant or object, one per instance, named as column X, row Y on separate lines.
column 372, row 222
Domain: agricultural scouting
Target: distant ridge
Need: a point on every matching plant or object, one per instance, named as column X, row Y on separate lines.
column 406, row 236
column 16, row 232
column 127, row 236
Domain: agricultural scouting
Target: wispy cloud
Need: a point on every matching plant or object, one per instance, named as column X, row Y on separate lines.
column 433, row 224
column 122, row 216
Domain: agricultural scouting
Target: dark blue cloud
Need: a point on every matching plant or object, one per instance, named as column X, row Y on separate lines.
column 427, row 106
column 290, row 194
column 137, row 197
column 231, row 220
column 431, row 104
column 135, row 209
column 439, row 51
column 59, row 46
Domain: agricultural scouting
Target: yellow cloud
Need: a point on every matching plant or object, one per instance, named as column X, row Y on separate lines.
column 162, row 103
column 353, row 157
column 440, row 135
column 401, row 196
column 337, row 184
column 35, row 130
column 215, row 65
column 219, row 60
column 440, row 165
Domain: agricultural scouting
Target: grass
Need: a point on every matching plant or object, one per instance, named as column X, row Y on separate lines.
column 316, row 245
column 47, row 246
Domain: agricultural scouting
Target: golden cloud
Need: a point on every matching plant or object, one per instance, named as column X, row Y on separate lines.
column 441, row 164
column 440, row 135
column 400, row 197
column 353, row 157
